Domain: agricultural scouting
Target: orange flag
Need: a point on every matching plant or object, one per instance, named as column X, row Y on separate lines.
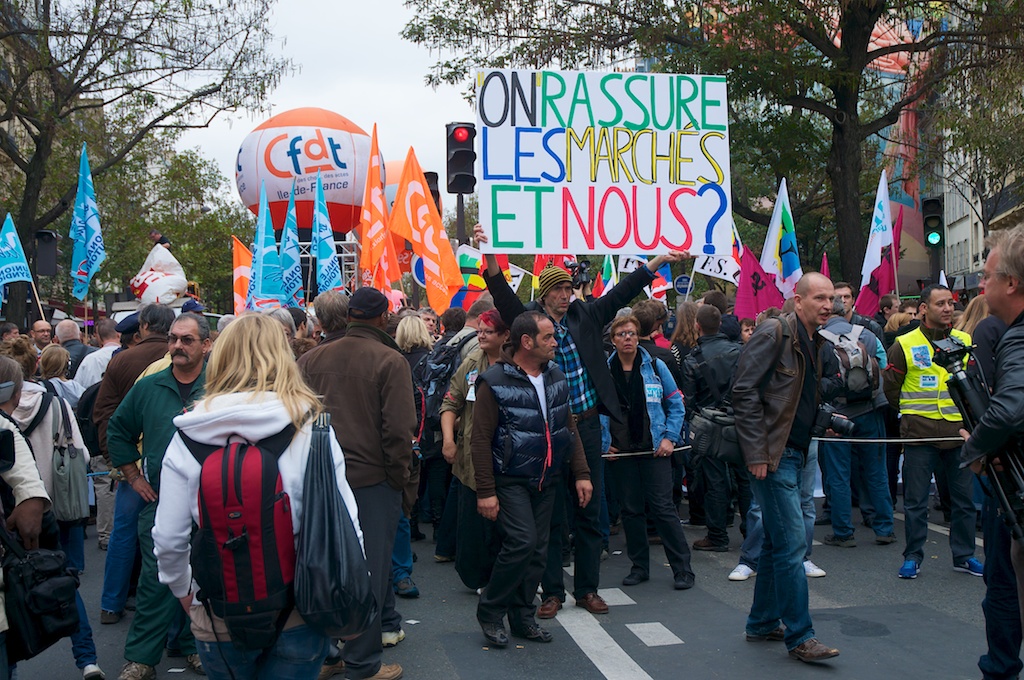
column 378, row 254
column 415, row 218
column 241, row 261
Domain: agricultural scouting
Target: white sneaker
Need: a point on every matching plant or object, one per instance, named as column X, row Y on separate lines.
column 741, row 573
column 391, row 638
column 93, row 672
column 812, row 570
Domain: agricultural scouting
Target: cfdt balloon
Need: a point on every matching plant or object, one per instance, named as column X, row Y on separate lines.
column 294, row 146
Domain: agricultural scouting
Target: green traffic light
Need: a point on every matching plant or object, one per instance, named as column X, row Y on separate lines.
column 934, row 238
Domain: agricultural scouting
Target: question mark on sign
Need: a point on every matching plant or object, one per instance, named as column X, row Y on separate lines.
column 709, row 245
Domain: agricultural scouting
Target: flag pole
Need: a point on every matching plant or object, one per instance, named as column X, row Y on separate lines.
column 39, row 305
column 895, row 270
column 689, row 287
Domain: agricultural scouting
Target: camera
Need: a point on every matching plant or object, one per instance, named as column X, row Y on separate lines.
column 580, row 271
column 828, row 419
column 950, row 353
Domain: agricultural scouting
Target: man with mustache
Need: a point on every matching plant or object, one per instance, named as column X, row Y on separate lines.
column 147, row 412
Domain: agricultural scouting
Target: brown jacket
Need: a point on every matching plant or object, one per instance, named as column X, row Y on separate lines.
column 123, row 370
column 366, row 386
column 764, row 417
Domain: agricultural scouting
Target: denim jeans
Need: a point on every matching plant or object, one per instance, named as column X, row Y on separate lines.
column 401, row 554
column 842, row 460
column 124, row 541
column 919, row 461
column 297, row 655
column 750, row 551
column 780, row 594
column 72, row 542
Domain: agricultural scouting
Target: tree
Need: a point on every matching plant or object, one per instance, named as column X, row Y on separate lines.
column 110, row 72
column 835, row 61
column 183, row 197
column 977, row 122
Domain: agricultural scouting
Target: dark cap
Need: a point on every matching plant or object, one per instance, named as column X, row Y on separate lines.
column 192, row 305
column 367, row 303
column 129, row 324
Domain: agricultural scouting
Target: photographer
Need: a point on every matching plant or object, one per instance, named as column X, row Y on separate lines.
column 580, row 354
column 776, row 398
column 917, row 386
column 1003, row 421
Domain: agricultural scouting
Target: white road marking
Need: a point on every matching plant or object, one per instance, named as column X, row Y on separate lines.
column 654, row 634
column 588, row 634
column 615, row 597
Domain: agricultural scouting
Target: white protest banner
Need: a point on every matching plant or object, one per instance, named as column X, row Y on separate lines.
column 585, row 162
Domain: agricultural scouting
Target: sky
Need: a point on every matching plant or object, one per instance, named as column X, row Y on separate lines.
column 353, row 61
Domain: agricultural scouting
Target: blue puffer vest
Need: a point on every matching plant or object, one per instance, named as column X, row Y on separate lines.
column 524, row 445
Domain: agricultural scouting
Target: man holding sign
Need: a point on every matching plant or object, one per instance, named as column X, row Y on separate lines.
column 580, row 354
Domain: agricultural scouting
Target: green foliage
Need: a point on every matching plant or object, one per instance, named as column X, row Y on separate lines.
column 110, row 73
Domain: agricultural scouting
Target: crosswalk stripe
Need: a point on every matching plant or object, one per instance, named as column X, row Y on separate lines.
column 602, row 650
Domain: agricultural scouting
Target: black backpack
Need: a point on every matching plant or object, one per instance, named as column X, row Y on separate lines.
column 430, row 380
column 83, row 414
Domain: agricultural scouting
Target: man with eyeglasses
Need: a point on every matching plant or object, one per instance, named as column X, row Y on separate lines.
column 147, row 413
column 579, row 327
column 42, row 335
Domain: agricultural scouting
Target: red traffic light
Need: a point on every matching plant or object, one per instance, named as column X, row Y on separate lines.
column 460, row 134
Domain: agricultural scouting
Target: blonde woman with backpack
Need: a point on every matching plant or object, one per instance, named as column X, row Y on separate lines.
column 254, row 393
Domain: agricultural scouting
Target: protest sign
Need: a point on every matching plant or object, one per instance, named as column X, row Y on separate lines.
column 582, row 162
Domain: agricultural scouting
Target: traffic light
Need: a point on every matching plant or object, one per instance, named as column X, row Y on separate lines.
column 461, row 158
column 435, row 193
column 934, row 218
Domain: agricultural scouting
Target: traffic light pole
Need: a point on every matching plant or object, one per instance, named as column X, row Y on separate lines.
column 460, row 220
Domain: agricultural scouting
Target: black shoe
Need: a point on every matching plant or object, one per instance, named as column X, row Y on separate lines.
column 823, row 519
column 495, row 633
column 532, row 632
column 634, row 577
column 683, row 581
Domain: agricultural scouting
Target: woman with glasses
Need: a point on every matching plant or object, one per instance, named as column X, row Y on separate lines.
column 642, row 446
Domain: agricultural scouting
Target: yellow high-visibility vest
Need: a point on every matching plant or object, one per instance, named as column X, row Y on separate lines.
column 924, row 390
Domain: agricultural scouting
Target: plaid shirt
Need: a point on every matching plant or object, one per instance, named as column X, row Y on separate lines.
column 582, row 395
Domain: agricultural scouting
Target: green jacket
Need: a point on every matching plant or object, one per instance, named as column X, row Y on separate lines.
column 149, row 409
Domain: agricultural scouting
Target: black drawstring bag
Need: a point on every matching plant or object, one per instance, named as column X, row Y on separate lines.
column 333, row 592
column 39, row 598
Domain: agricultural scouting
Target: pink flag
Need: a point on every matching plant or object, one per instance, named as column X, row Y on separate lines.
column 755, row 292
column 883, row 277
column 824, row 265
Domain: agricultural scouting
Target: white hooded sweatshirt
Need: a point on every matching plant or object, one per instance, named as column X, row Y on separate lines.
column 250, row 416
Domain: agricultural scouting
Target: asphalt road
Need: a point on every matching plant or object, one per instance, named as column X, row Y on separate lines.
column 931, row 627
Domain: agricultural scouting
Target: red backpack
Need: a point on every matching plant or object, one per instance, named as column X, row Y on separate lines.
column 243, row 555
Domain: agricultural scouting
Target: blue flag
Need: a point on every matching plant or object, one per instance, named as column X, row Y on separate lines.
column 265, row 291
column 89, row 252
column 328, row 271
column 13, row 265
column 291, row 263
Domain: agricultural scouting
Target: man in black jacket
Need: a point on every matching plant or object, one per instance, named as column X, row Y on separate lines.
column 708, row 372
column 579, row 330
column 70, row 338
column 1000, row 426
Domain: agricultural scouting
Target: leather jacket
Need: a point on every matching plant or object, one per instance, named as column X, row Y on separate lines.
column 1004, row 418
column 766, row 390
column 721, row 355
